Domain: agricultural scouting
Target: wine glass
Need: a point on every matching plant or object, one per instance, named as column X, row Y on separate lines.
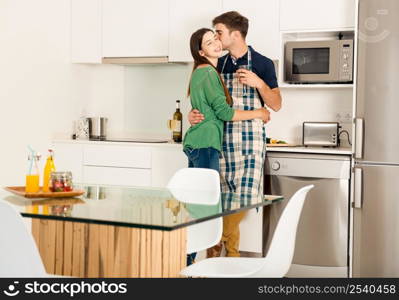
column 245, row 67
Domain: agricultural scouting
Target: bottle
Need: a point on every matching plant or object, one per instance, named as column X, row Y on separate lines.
column 178, row 124
column 48, row 168
column 32, row 177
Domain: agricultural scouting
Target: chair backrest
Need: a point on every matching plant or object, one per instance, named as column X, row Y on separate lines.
column 19, row 256
column 205, row 183
column 281, row 251
column 199, row 186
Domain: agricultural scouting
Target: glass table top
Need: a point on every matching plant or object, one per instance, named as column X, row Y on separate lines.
column 142, row 207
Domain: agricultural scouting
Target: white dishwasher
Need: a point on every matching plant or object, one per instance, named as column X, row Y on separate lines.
column 322, row 242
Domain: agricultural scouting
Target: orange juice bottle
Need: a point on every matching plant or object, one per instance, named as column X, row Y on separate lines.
column 32, row 183
column 48, row 168
column 32, row 178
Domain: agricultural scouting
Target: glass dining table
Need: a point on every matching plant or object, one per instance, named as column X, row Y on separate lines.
column 114, row 231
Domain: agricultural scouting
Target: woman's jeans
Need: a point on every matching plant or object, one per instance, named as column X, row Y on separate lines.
column 201, row 158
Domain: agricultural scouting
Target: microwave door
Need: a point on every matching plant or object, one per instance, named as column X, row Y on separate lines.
column 334, row 60
column 318, row 64
column 312, row 61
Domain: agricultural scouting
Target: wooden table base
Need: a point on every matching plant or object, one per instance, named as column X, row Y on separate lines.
column 91, row 250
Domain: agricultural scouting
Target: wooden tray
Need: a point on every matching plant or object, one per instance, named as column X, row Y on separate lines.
column 20, row 191
column 57, row 201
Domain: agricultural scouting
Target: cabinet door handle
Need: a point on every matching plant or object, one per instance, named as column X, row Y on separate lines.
column 358, row 187
column 359, row 126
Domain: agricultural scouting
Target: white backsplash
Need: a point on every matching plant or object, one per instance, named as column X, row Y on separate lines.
column 316, row 105
column 151, row 92
column 106, row 96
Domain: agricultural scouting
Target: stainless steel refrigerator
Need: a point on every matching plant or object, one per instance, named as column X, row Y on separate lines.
column 376, row 172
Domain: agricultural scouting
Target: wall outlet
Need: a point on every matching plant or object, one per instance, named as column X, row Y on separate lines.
column 338, row 117
column 344, row 117
column 347, row 118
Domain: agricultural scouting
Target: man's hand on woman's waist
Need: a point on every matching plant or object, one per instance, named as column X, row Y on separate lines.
column 195, row 117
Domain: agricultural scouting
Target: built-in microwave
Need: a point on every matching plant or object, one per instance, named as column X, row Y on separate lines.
column 326, row 61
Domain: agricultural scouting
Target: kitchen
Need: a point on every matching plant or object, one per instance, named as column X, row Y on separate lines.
column 53, row 68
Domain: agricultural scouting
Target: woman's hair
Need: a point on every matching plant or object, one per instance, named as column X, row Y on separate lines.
column 195, row 47
column 233, row 21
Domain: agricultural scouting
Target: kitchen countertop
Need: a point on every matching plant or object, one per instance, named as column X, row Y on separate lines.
column 88, row 142
column 298, row 149
column 317, row 150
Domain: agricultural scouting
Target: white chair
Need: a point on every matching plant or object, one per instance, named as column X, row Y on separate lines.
column 278, row 259
column 199, row 186
column 19, row 256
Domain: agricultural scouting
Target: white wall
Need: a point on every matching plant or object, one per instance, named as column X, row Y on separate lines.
column 41, row 91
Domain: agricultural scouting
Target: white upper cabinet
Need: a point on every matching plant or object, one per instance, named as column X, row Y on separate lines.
column 161, row 28
column 263, row 32
column 298, row 15
column 185, row 17
column 135, row 28
column 86, row 31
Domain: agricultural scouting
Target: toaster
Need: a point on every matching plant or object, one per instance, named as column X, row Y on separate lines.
column 320, row 134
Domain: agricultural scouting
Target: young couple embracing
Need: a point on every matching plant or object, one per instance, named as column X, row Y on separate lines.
column 229, row 95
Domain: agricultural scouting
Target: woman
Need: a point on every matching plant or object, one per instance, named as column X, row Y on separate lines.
column 203, row 142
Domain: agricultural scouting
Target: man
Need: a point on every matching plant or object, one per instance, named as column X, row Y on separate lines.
column 251, row 81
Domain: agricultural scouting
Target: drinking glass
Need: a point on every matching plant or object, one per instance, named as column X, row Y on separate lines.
column 244, row 88
column 172, row 124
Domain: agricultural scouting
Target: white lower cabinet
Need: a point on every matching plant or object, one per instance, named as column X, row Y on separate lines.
column 116, row 176
column 251, row 231
column 116, row 164
column 117, row 156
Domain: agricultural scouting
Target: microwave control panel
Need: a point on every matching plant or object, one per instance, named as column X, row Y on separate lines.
column 346, row 60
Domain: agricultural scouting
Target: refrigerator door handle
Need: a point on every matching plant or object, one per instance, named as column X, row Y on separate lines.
column 358, row 187
column 359, row 127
